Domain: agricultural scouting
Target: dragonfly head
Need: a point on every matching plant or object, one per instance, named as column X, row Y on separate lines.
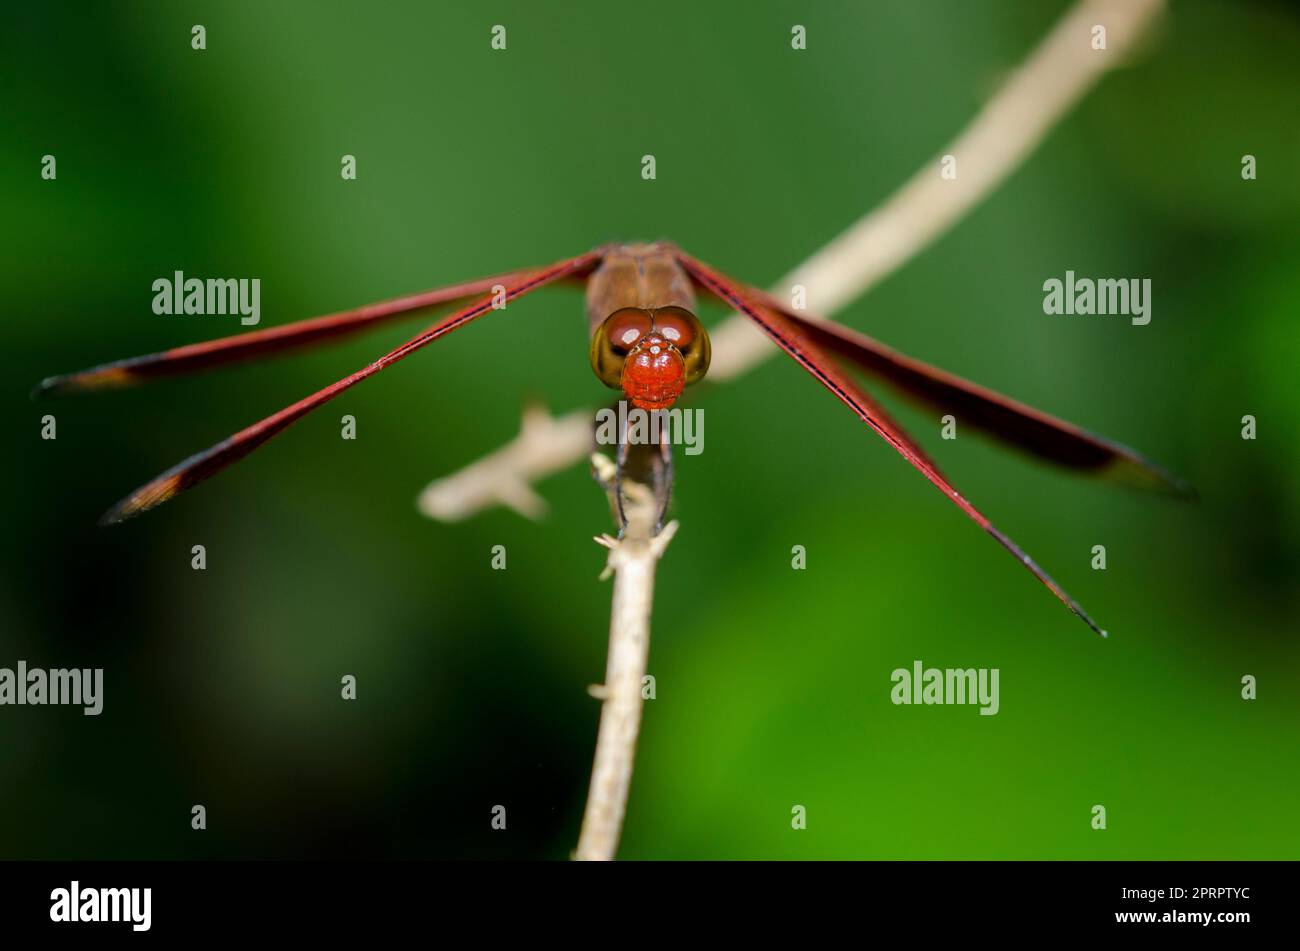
column 651, row 354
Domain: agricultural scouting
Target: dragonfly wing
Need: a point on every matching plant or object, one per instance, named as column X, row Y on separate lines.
column 1007, row 420
column 202, row 465
column 794, row 339
column 258, row 343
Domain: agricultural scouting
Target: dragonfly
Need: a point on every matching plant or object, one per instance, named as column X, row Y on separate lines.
column 645, row 340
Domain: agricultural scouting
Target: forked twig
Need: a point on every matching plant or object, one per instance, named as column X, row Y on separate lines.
column 505, row 477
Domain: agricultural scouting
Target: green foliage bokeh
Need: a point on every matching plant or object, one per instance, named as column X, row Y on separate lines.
column 772, row 684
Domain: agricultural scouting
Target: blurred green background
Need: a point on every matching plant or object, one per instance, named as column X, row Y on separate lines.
column 222, row 686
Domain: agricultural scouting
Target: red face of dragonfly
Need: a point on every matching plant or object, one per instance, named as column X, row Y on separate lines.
column 651, row 354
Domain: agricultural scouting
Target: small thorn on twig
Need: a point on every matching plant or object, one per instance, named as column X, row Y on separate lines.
column 659, row 543
column 598, row 691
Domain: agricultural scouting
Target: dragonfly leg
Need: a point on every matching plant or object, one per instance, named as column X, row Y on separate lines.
column 620, row 463
column 663, row 476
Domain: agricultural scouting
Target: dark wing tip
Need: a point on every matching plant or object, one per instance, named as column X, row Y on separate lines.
column 1136, row 470
column 137, row 503
column 114, row 516
column 50, row 386
column 1180, row 488
column 1061, row 594
column 148, row 496
column 104, row 377
column 1185, row 491
column 1085, row 617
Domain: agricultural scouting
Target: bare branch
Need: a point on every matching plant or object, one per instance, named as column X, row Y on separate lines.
column 632, row 561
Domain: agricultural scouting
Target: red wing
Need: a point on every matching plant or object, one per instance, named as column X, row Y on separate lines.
column 792, row 337
column 870, row 404
column 257, row 343
column 200, row 466
column 992, row 413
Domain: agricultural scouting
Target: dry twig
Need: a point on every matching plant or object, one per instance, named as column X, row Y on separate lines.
column 632, row 561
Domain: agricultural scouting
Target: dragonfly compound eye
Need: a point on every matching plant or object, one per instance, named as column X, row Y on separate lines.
column 684, row 331
column 614, row 340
